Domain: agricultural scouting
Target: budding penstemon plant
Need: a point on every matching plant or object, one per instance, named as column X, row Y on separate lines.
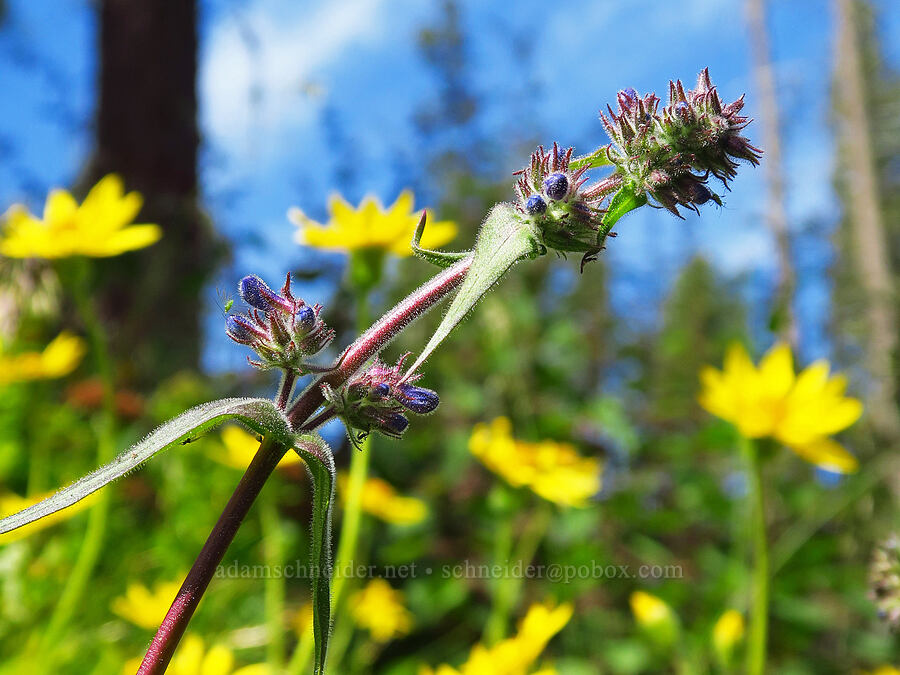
column 662, row 157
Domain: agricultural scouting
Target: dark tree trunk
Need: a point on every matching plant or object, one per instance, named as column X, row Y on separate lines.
column 147, row 132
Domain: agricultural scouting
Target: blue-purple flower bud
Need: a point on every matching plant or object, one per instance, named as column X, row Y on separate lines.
column 535, row 205
column 417, row 399
column 394, row 424
column 241, row 329
column 556, row 186
column 699, row 193
column 630, row 93
column 382, row 389
column 256, row 293
column 306, row 318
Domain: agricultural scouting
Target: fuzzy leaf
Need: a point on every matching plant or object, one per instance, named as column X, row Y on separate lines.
column 504, row 239
column 624, row 201
column 593, row 160
column 320, row 464
column 258, row 414
column 440, row 258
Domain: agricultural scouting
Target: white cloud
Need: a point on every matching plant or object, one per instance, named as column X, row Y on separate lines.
column 256, row 62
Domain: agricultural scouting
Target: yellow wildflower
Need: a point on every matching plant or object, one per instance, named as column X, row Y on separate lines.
column 727, row 632
column 58, row 359
column 370, row 226
column 143, row 607
column 649, row 610
column 655, row 617
column 380, row 609
column 193, row 658
column 241, row 446
column 885, row 670
column 554, row 471
column 12, row 503
column 801, row 411
column 515, row 655
column 380, row 499
column 99, row 228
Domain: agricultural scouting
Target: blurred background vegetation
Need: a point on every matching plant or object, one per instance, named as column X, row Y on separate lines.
column 607, row 361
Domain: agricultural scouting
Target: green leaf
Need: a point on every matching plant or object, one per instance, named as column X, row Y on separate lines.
column 504, row 239
column 624, row 201
column 320, row 463
column 259, row 414
column 440, row 258
column 593, row 160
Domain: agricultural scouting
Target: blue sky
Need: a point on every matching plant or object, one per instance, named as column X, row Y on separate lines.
column 270, row 70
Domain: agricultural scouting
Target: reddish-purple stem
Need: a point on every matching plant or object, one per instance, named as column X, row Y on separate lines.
column 173, row 626
column 380, row 334
column 270, row 453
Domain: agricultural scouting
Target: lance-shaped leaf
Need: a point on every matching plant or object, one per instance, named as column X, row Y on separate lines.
column 320, row 463
column 504, row 239
column 440, row 258
column 597, row 158
column 624, row 201
column 258, row 414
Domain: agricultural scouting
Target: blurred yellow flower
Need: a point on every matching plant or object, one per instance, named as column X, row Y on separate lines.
column 380, row 499
column 801, row 411
column 12, row 503
column 649, row 610
column 58, row 359
column 99, row 228
column 370, row 226
column 380, row 609
column 885, row 670
column 515, row 655
column 241, row 446
column 655, row 617
column 553, row 470
column 143, row 607
column 727, row 632
column 193, row 658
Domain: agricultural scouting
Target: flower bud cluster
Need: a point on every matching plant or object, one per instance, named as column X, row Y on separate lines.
column 379, row 398
column 281, row 329
column 670, row 153
column 551, row 195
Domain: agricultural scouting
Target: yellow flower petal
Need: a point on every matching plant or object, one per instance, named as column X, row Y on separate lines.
column 96, row 228
column 827, row 454
column 127, row 239
column 777, row 371
column 369, row 226
column 60, row 209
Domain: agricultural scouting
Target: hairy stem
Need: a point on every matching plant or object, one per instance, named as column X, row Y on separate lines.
column 384, row 330
column 179, row 615
column 288, row 377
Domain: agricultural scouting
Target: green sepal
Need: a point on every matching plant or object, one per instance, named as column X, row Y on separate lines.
column 440, row 258
column 260, row 415
column 505, row 238
column 320, row 464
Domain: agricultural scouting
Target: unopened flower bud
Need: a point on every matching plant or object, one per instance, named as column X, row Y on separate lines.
column 556, row 186
column 417, row 399
column 535, row 205
column 241, row 329
column 395, row 423
column 306, row 319
column 256, row 293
